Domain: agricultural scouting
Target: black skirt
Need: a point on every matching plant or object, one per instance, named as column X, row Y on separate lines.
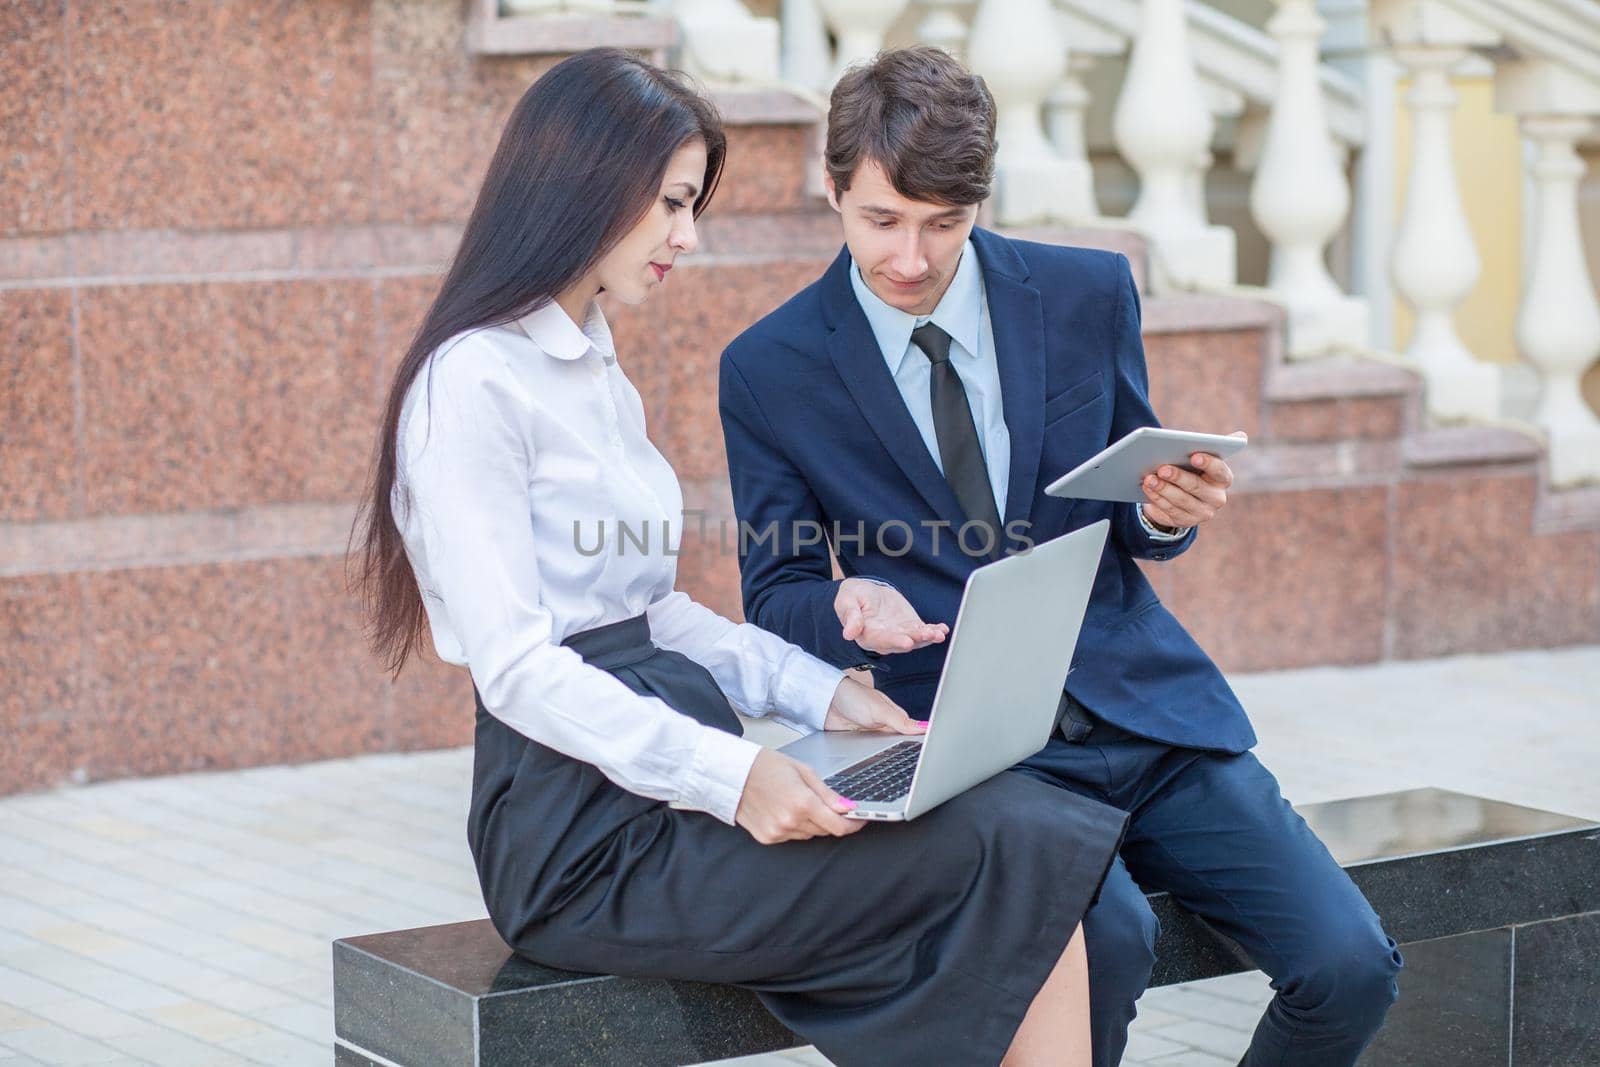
column 920, row 942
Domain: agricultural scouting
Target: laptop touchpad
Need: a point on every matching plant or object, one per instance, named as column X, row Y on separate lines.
column 829, row 751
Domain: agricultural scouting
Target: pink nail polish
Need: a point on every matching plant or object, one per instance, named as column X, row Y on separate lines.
column 848, row 803
column 921, row 722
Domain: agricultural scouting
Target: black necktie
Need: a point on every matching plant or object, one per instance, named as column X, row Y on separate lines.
column 959, row 450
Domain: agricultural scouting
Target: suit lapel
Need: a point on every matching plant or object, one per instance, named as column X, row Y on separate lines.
column 1016, row 314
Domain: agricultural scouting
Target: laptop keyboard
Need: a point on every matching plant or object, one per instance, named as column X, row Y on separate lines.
column 880, row 777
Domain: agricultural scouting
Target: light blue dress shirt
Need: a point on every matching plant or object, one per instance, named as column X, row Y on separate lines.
column 963, row 313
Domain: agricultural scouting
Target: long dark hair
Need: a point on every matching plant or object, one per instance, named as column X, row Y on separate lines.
column 580, row 161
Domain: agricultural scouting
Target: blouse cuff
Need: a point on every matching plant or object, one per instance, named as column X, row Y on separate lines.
column 717, row 773
column 805, row 688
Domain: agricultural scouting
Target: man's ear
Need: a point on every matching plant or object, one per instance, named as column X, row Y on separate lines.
column 833, row 193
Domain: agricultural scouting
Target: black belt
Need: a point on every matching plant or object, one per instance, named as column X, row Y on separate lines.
column 615, row 644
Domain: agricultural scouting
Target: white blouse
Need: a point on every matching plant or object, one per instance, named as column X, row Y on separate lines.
column 522, row 456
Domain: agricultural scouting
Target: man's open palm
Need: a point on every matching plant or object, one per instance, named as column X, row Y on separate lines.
column 881, row 620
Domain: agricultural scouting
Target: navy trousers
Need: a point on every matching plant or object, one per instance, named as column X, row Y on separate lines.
column 1212, row 829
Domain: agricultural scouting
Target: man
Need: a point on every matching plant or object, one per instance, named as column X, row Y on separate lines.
column 905, row 412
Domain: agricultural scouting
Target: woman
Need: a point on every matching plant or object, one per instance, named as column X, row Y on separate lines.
column 512, row 441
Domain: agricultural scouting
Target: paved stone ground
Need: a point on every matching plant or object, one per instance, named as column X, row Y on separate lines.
column 186, row 921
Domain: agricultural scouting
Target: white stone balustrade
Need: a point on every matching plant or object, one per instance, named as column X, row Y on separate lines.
column 806, row 57
column 1066, row 113
column 1067, row 107
column 859, row 27
column 943, row 27
column 724, row 44
column 1435, row 262
column 1163, row 129
column 1017, row 46
column 1236, row 63
column 1558, row 323
column 1300, row 196
column 1036, row 56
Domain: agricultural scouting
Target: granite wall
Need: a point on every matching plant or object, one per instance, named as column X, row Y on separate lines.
column 219, row 224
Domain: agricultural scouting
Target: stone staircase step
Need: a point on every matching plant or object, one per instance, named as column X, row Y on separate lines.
column 1362, row 418
column 491, row 32
column 1355, row 532
column 1203, row 312
column 1469, row 446
column 769, row 106
column 1274, row 464
column 1109, row 238
column 1567, row 510
column 1339, row 400
column 1339, row 379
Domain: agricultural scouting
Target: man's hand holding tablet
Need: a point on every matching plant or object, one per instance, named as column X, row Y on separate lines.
column 1181, row 478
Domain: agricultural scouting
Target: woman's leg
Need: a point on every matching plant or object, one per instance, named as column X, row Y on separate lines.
column 1055, row 1031
column 898, row 944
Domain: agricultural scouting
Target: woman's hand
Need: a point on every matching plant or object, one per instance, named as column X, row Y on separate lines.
column 860, row 707
column 784, row 800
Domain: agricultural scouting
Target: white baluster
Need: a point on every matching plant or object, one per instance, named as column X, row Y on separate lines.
column 1066, row 109
column 1435, row 262
column 1067, row 106
column 1195, row 183
column 1300, row 197
column 859, row 26
column 807, row 58
column 1558, row 325
column 1163, row 129
column 1017, row 46
column 724, row 44
column 942, row 27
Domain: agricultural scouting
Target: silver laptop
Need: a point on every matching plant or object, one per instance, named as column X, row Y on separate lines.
column 1009, row 656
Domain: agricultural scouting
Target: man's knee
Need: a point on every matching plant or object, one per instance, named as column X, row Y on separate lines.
column 1120, row 934
column 1350, row 981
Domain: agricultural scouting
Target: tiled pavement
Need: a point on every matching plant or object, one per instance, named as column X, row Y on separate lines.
column 186, row 920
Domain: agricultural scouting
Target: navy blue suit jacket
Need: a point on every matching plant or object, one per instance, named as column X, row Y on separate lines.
column 820, row 443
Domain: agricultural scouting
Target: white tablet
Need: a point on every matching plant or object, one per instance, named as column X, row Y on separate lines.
column 1116, row 472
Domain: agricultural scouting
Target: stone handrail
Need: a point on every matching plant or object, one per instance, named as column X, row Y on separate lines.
column 1236, row 56
column 1567, row 31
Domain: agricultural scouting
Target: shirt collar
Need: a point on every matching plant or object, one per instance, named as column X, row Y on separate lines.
column 959, row 312
column 558, row 336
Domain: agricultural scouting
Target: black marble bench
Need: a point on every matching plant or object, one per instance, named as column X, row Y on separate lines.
column 1496, row 906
